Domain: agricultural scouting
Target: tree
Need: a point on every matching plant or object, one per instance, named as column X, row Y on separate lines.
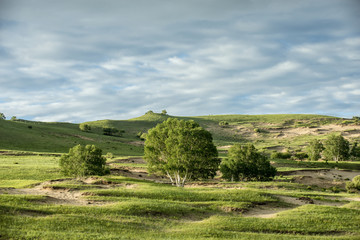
column 246, row 163
column 355, row 151
column 181, row 150
column 336, row 148
column 2, row 116
column 82, row 161
column 314, row 149
column 85, row 127
column 164, row 112
column 111, row 131
column 13, row 118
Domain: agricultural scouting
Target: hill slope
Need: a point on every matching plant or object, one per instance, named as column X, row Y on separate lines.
column 268, row 132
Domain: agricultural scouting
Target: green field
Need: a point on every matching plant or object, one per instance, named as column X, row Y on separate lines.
column 38, row 202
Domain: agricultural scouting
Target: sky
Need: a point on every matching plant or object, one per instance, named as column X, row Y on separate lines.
column 86, row 60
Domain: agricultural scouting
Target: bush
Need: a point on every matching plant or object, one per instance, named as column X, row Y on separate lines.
column 246, row 163
column 301, row 155
column 223, row 124
column 280, row 155
column 84, row 127
column 354, row 185
column 82, row 161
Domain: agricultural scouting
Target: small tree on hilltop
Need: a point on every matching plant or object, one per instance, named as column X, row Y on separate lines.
column 246, row 163
column 336, row 148
column 2, row 116
column 181, row 150
column 314, row 150
column 82, row 161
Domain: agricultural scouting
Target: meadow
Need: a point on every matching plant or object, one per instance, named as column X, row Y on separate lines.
column 38, row 202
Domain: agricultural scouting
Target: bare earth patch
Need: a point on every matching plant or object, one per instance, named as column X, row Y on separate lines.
column 63, row 196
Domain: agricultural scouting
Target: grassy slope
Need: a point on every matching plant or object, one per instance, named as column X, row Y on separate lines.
column 59, row 137
column 137, row 209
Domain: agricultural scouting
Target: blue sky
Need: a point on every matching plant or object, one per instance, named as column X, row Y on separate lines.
column 87, row 60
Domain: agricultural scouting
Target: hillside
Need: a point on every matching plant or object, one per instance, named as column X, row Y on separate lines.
column 267, row 132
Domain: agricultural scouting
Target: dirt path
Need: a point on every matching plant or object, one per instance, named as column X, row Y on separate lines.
column 55, row 195
column 268, row 211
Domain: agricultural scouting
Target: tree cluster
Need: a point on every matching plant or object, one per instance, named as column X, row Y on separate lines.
column 334, row 148
column 182, row 150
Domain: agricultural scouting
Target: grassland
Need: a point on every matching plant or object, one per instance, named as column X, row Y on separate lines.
column 37, row 202
column 307, row 200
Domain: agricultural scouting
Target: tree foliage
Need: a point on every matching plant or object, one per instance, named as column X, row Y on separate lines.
column 85, row 127
column 246, row 163
column 337, row 148
column 111, row 131
column 355, row 151
column 314, row 149
column 2, row 116
column 181, row 150
column 82, row 161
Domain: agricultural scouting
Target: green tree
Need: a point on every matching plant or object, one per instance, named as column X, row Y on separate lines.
column 181, row 150
column 13, row 118
column 111, row 131
column 337, row 148
column 2, row 116
column 355, row 151
column 164, row 112
column 314, row 149
column 85, row 127
column 246, row 163
column 82, row 161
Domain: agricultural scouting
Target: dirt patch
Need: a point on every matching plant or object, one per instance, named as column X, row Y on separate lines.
column 323, row 178
column 137, row 160
column 60, row 195
column 271, row 211
column 136, row 173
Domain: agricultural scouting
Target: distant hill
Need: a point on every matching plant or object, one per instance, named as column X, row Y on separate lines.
column 267, row 132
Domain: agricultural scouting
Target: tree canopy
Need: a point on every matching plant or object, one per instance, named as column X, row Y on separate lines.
column 82, row 161
column 314, row 149
column 181, row 150
column 245, row 163
column 337, row 148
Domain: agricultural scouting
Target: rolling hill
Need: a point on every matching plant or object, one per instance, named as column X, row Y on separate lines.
column 267, row 132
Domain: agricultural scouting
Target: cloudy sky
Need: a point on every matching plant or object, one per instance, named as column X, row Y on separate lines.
column 82, row 60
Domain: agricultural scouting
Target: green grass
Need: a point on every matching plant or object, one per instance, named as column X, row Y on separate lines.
column 139, row 209
column 59, row 137
column 23, row 171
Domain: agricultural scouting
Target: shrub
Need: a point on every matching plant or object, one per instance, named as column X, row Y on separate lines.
column 301, row 155
column 82, row 161
column 223, row 123
column 280, row 155
column 84, row 127
column 246, row 163
column 354, row 185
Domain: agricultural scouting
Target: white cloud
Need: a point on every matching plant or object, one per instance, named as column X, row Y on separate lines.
column 88, row 60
